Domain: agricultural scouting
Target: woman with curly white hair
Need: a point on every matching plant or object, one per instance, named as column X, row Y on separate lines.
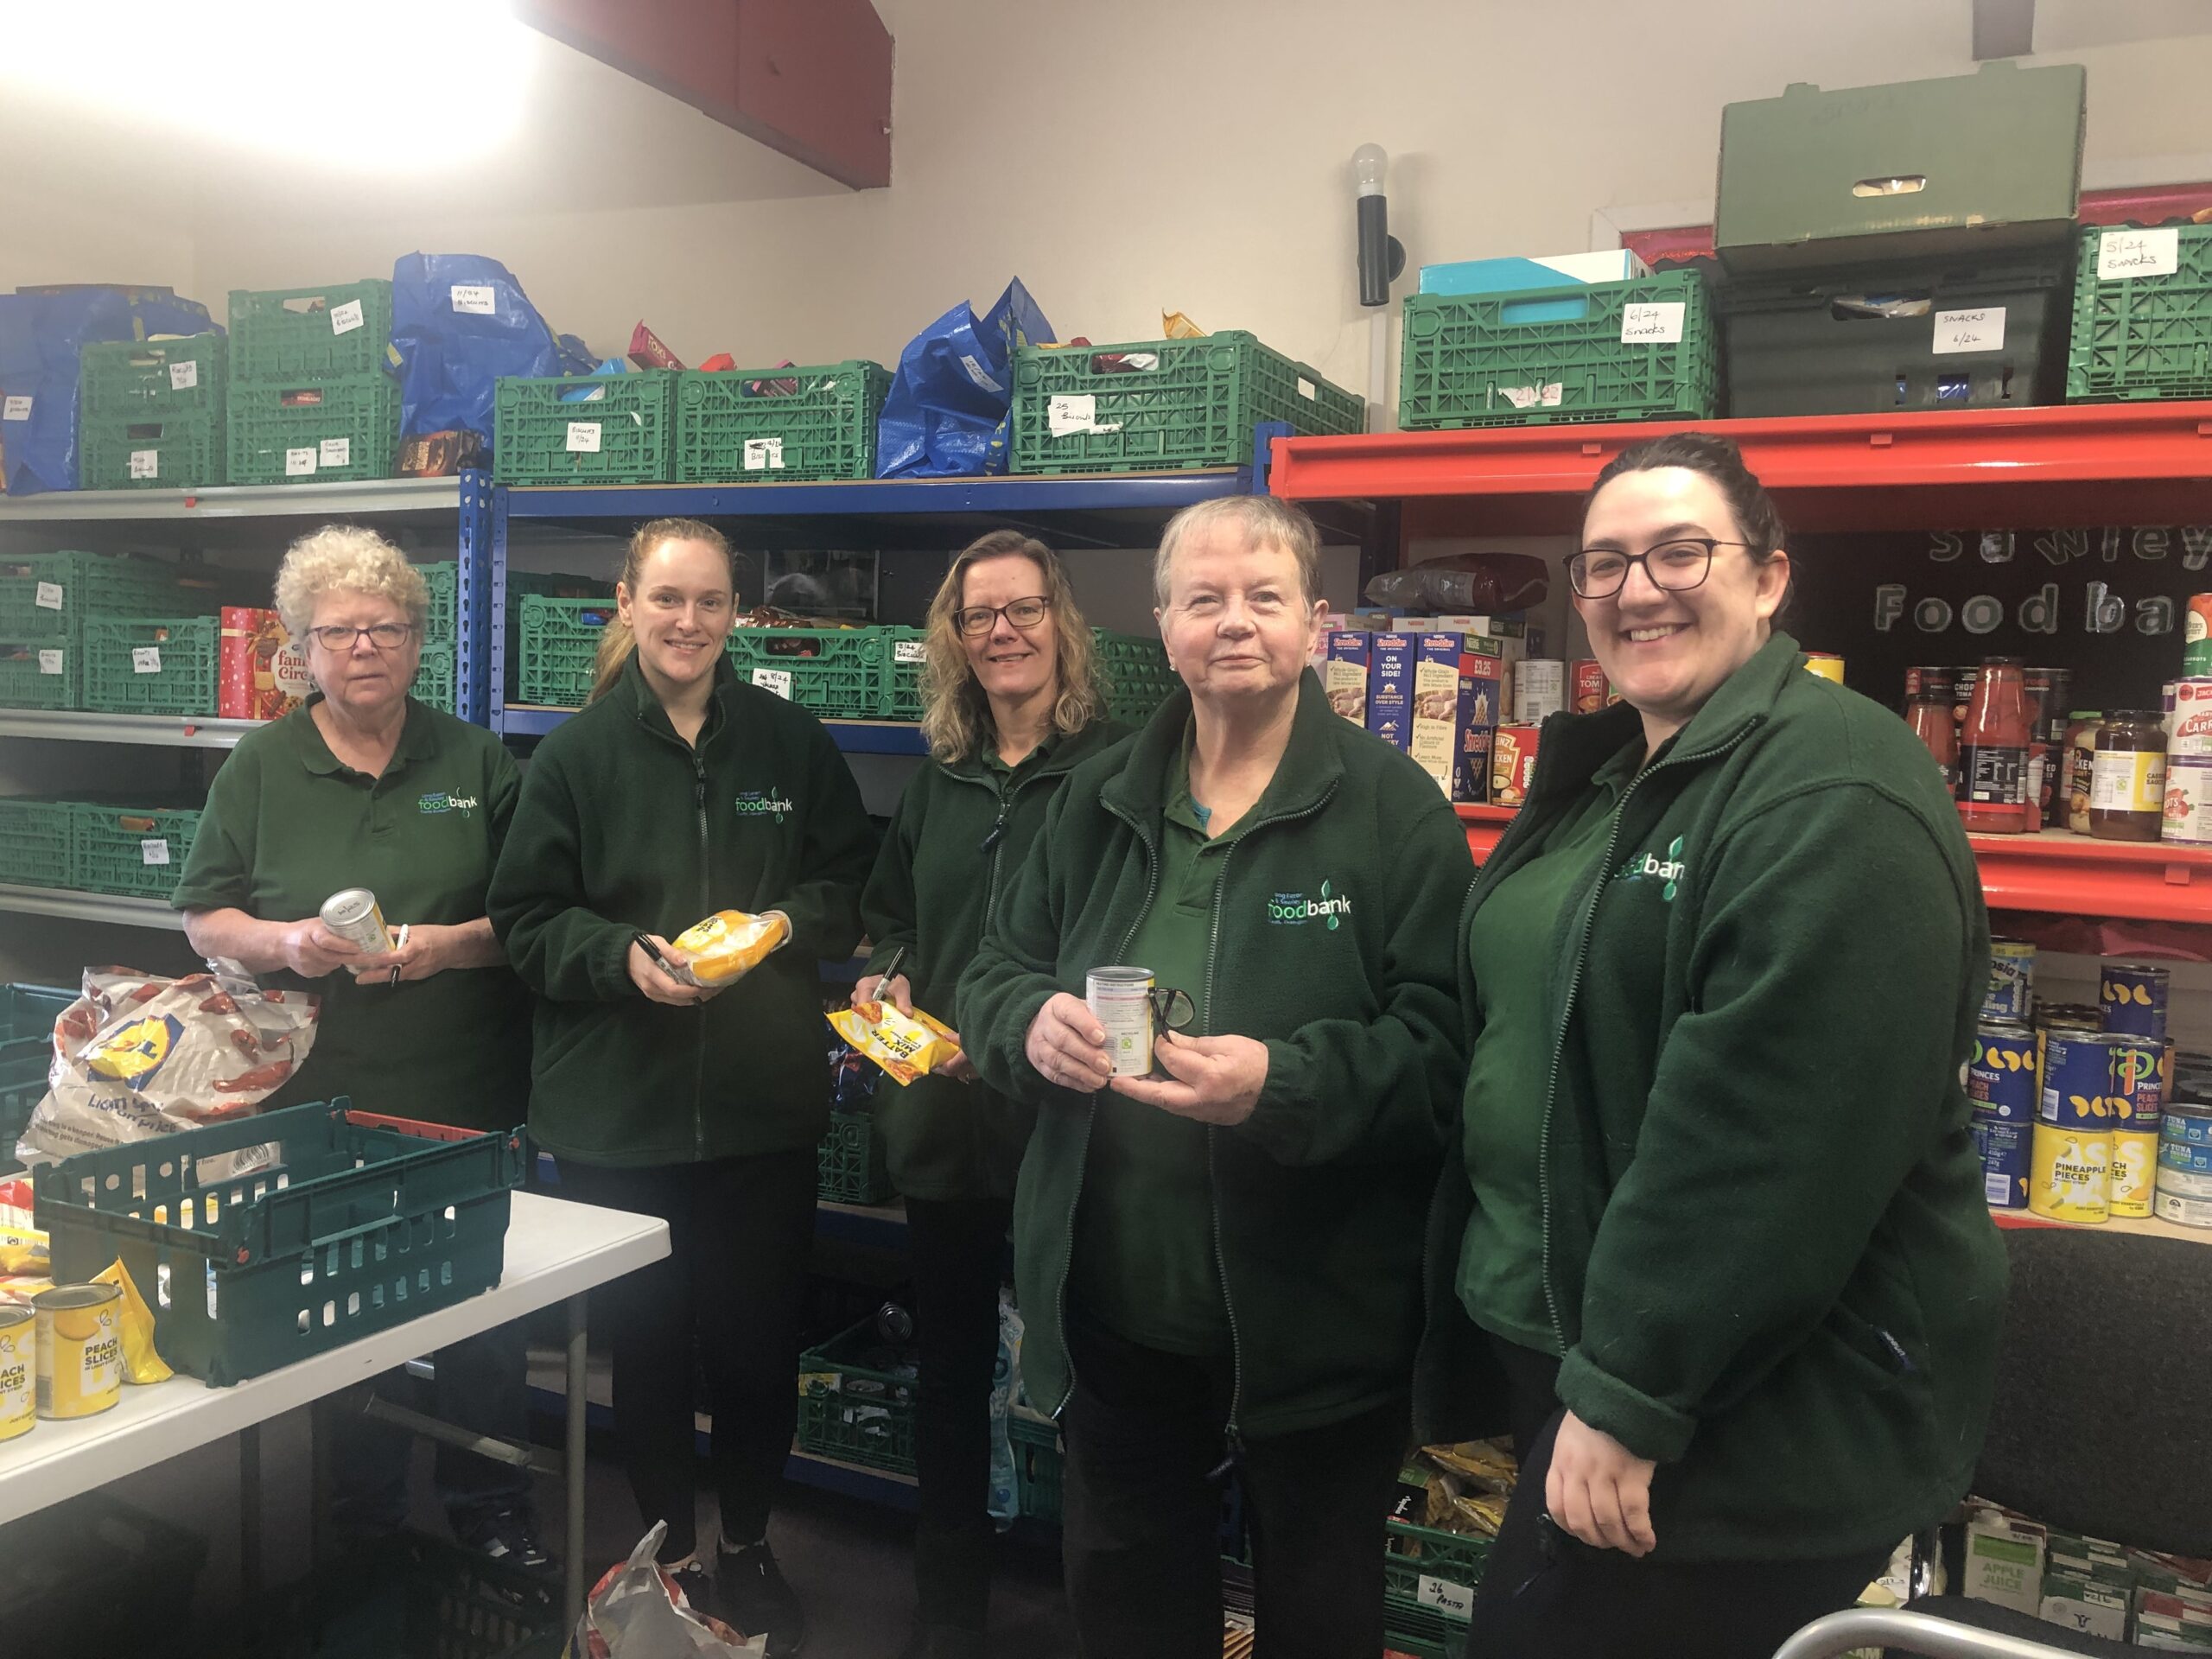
column 363, row 786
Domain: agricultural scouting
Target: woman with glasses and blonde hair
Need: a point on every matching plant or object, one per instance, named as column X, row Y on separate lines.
column 1012, row 705
column 1718, row 1219
column 363, row 786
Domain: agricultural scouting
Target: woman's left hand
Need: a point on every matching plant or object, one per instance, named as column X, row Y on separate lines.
column 427, row 951
column 1598, row 1490
column 1209, row 1079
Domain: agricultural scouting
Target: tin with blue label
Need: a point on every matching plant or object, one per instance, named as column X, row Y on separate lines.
column 2002, row 1078
column 2134, row 996
column 2080, row 1079
column 2188, row 1122
column 2010, row 996
column 2183, row 1158
column 2005, row 1149
column 2139, row 1084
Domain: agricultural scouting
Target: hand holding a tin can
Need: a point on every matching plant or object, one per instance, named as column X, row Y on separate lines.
column 1209, row 1079
column 1067, row 1045
column 311, row 950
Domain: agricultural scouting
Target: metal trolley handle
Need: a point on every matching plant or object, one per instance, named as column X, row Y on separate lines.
column 1906, row 1632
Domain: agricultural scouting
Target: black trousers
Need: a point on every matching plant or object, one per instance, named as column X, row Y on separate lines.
column 726, row 1302
column 482, row 1384
column 1142, row 1534
column 1547, row 1594
column 958, row 1253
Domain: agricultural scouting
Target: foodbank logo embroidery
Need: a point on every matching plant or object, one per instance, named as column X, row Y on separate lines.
column 1295, row 909
column 1645, row 866
column 437, row 801
column 763, row 803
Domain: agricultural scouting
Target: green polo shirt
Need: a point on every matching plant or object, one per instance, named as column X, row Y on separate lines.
column 1144, row 1264
column 1515, row 927
column 288, row 824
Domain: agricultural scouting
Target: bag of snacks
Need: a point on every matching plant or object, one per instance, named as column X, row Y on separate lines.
column 729, row 944
column 907, row 1046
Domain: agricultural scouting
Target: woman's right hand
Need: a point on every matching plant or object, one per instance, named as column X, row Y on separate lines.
column 896, row 990
column 657, row 986
column 1067, row 1045
column 311, row 950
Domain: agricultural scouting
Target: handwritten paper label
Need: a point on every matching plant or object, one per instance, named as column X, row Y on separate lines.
column 1981, row 329
column 299, row 463
column 49, row 661
column 1076, row 412
column 1659, row 323
column 764, row 455
column 778, row 680
column 911, row 651
column 583, row 437
column 335, row 452
column 1547, row 396
column 183, row 377
column 145, row 463
column 1447, row 1597
column 15, row 408
column 345, row 319
column 475, row 300
column 48, row 597
column 145, row 659
column 154, row 851
column 2122, row 254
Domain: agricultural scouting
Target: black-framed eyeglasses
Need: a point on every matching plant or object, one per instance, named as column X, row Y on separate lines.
column 1172, row 1008
column 981, row 619
column 1675, row 566
column 385, row 636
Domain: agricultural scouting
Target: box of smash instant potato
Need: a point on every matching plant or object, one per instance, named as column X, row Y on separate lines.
column 1344, row 674
column 1390, row 687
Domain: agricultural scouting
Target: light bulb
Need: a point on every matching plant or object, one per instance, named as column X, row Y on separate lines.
column 1369, row 163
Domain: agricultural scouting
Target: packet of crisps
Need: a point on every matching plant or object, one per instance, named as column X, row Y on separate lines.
column 907, row 1046
column 140, row 1364
column 729, row 944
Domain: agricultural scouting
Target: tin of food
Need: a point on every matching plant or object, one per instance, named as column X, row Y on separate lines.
column 355, row 916
column 2070, row 1178
column 1826, row 664
column 2188, row 1122
column 2139, row 1084
column 2134, row 1172
column 2078, row 1079
column 1121, row 1000
column 80, row 1350
column 2011, row 997
column 2184, row 1212
column 18, row 1365
column 2002, row 1076
column 2005, row 1162
column 2133, row 995
column 2069, row 1016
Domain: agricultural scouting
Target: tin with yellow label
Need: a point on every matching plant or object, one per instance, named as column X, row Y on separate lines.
column 2134, row 1170
column 80, row 1350
column 18, row 1364
column 2070, row 1175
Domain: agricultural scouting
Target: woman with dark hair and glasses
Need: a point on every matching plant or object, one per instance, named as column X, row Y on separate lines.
column 1012, row 705
column 1719, row 1220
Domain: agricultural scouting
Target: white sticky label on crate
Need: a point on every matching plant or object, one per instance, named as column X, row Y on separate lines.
column 1075, row 412
column 48, row 597
column 183, row 377
column 1547, row 396
column 299, row 463
column 1981, row 329
column 778, row 680
column 1446, row 1596
column 1308, row 389
column 345, row 319
column 145, row 463
column 49, row 661
column 583, row 437
column 145, row 659
column 2122, row 254
column 911, row 651
column 979, row 374
column 1657, row 323
column 335, row 452
column 475, row 300
column 15, row 408
column 764, row 455
column 154, row 850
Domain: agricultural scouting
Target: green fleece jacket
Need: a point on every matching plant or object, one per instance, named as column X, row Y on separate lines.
column 1329, row 947
column 625, row 828
column 1765, row 1249
column 960, row 832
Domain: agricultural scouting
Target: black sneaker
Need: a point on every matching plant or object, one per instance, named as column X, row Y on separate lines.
column 509, row 1537
column 697, row 1587
column 752, row 1594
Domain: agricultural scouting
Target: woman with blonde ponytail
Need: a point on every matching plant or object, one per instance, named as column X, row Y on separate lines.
column 679, row 791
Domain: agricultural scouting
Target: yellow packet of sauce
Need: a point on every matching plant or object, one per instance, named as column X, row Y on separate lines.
column 140, row 1362
column 906, row 1045
column 730, row 944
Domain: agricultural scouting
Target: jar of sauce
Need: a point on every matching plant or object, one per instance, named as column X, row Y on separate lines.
column 2076, row 762
column 1993, row 746
column 1933, row 722
column 2127, row 781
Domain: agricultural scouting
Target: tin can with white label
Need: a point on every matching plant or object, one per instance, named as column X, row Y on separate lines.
column 1539, row 689
column 355, row 916
column 1121, row 998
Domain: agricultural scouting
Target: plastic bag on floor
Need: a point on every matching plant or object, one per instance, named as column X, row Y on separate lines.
column 637, row 1612
column 459, row 321
column 1005, row 1495
column 945, row 415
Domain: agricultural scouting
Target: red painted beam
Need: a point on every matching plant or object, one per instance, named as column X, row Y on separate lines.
column 811, row 78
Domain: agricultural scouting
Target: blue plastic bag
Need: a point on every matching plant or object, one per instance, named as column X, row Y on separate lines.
column 459, row 321
column 945, row 415
column 40, row 336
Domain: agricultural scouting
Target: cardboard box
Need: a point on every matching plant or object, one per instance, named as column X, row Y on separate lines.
column 2004, row 1563
column 1482, row 685
column 1390, row 687
column 1432, row 734
column 2083, row 1606
column 261, row 674
column 1510, row 275
column 1965, row 165
column 1344, row 674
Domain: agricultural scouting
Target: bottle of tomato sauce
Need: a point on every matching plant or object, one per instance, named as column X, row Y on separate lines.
column 1993, row 752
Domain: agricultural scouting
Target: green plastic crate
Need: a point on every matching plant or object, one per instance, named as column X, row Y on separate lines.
column 1133, row 672
column 444, row 582
column 733, row 427
column 556, row 647
column 291, row 335
column 33, row 843
column 152, row 379
column 1451, row 1562
column 1037, row 1463
column 2143, row 336
column 40, row 674
column 135, row 852
column 370, row 1228
column 27, row 1016
column 850, row 1163
column 75, row 585
column 412, row 1596
column 433, row 679
column 30, row 1010
column 313, row 432
column 855, row 1402
column 905, row 652
column 1480, row 359
column 178, row 678
column 617, row 428
column 836, row 672
column 153, row 451
column 1075, row 412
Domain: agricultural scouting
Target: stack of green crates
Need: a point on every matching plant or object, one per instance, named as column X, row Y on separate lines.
column 1429, row 1579
column 839, row 673
column 310, row 400
column 34, row 841
column 27, row 1015
column 850, row 1163
column 856, row 1401
column 51, row 606
column 2142, row 314
column 777, row 426
column 138, row 852
column 906, row 652
column 435, row 681
column 1133, row 672
column 150, row 414
column 592, row 428
column 152, row 664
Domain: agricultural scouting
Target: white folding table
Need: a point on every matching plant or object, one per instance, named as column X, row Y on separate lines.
column 556, row 1251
